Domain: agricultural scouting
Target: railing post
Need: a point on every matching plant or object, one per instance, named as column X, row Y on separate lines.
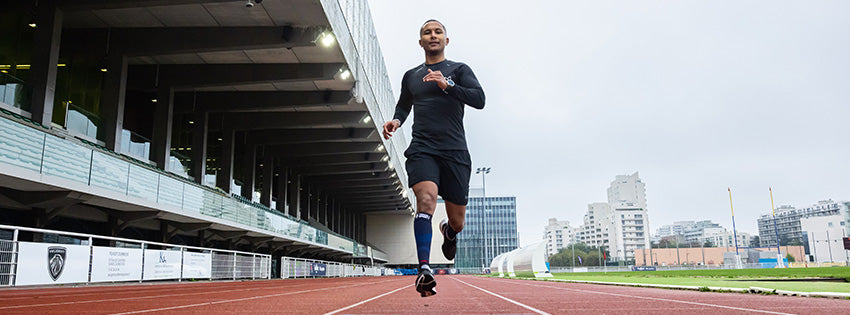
column 234, row 264
column 144, row 249
column 43, row 149
column 91, row 250
column 182, row 259
column 14, row 269
column 253, row 266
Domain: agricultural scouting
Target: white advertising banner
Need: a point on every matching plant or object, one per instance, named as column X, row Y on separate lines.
column 46, row 263
column 162, row 264
column 116, row 264
column 197, row 265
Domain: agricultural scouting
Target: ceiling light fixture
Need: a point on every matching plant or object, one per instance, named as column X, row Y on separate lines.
column 345, row 74
column 326, row 39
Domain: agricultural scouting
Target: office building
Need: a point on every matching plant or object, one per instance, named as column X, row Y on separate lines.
column 787, row 222
column 558, row 234
column 490, row 229
column 622, row 224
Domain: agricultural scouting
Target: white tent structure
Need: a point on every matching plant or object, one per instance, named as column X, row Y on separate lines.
column 526, row 261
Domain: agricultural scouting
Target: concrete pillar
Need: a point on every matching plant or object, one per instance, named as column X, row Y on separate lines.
column 163, row 122
column 338, row 216
column 200, row 138
column 294, row 196
column 249, row 171
column 304, row 210
column 163, row 232
column 324, row 211
column 268, row 179
column 282, row 189
column 313, row 195
column 201, row 237
column 112, row 225
column 346, row 219
column 45, row 57
column 225, row 174
column 329, row 214
column 356, row 227
column 114, row 92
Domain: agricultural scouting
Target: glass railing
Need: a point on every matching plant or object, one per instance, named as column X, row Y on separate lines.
column 178, row 164
column 135, row 145
column 33, row 150
column 81, row 122
column 14, row 92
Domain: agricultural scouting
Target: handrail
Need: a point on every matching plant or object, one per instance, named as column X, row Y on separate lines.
column 238, row 264
column 120, row 239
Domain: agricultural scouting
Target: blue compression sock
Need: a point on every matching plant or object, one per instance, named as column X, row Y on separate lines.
column 422, row 233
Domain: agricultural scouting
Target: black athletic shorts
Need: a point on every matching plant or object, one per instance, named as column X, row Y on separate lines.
column 450, row 170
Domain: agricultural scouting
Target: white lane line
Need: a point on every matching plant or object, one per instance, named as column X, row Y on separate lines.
column 142, row 297
column 136, row 290
column 504, row 298
column 659, row 299
column 359, row 303
column 237, row 300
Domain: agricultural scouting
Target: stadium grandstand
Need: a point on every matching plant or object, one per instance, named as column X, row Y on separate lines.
column 229, row 135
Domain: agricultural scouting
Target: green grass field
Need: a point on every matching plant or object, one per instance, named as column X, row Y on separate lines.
column 732, row 278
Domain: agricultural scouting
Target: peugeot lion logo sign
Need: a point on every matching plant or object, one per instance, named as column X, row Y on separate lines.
column 55, row 261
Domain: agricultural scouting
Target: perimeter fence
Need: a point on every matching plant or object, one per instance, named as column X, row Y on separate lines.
column 56, row 257
column 688, row 267
column 291, row 267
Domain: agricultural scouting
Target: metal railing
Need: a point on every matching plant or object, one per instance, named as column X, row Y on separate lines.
column 291, row 267
column 115, row 263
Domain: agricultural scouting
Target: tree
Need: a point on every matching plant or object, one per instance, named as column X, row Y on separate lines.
column 708, row 244
column 790, row 258
column 564, row 257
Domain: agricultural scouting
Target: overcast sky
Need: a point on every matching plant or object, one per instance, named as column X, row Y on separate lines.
column 697, row 96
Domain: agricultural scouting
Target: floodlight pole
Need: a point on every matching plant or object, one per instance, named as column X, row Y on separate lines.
column 574, row 252
column 735, row 232
column 484, row 171
column 775, row 229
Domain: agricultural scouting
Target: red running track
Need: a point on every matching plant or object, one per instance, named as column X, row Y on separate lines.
column 395, row 295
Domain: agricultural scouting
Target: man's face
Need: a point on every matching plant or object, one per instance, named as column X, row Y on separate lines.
column 433, row 38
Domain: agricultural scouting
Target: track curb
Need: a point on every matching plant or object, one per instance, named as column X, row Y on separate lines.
column 833, row 295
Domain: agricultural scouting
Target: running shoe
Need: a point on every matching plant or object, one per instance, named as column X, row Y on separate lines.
column 425, row 283
column 449, row 245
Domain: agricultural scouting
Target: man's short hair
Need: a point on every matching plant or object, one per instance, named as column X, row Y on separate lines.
column 429, row 21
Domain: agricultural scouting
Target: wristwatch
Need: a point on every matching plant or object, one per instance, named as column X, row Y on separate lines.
column 450, row 83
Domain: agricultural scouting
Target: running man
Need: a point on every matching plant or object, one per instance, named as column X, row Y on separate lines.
column 438, row 161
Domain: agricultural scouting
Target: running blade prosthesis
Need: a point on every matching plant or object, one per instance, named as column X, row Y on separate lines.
column 425, row 283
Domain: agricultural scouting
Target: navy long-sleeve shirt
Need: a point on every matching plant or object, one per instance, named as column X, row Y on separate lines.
column 438, row 114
